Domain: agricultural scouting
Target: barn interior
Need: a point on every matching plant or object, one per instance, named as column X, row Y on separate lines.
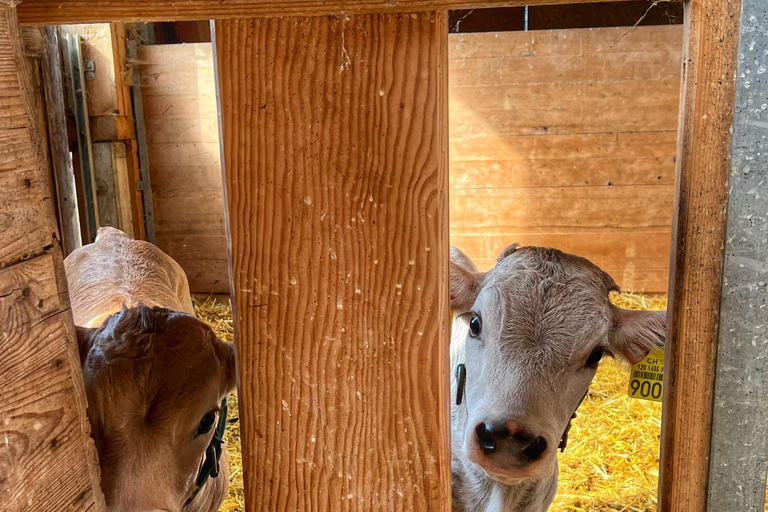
column 563, row 127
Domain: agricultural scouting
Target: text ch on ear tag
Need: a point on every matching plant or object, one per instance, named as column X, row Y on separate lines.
column 461, row 378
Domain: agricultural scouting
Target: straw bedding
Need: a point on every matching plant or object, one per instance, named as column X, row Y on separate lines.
column 612, row 459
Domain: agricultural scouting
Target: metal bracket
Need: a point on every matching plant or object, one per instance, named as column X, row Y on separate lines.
column 90, row 70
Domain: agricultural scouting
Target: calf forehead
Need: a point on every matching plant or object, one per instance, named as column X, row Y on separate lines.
column 547, row 299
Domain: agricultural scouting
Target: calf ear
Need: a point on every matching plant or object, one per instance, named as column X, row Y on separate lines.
column 86, row 337
column 465, row 285
column 225, row 352
column 637, row 332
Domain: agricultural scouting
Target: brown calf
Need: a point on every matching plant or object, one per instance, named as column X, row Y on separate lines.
column 154, row 376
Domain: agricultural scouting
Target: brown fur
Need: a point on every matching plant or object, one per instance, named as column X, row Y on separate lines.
column 152, row 371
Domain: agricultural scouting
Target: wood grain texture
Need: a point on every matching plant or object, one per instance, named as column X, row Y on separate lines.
column 26, row 208
column 335, row 148
column 47, row 460
column 559, row 137
column 66, row 196
column 639, row 259
column 53, row 12
column 701, row 198
column 181, row 119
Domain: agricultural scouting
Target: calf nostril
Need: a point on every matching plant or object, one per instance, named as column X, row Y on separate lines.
column 535, row 448
column 485, row 437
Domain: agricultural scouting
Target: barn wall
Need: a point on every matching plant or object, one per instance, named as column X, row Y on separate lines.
column 178, row 90
column 567, row 138
column 563, row 138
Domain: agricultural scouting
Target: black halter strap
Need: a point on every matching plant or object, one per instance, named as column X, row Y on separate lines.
column 210, row 466
column 564, row 439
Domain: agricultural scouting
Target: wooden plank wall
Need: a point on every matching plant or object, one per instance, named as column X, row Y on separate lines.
column 47, row 459
column 180, row 116
column 567, row 138
column 557, row 138
column 335, row 135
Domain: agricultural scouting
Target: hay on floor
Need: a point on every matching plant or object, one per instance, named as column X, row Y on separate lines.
column 612, row 460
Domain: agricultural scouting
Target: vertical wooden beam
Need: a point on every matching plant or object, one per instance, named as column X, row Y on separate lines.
column 334, row 135
column 66, row 196
column 739, row 462
column 701, row 196
column 47, row 459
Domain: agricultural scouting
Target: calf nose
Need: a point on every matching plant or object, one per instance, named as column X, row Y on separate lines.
column 507, row 441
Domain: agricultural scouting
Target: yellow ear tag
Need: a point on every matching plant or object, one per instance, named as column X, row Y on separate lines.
column 646, row 377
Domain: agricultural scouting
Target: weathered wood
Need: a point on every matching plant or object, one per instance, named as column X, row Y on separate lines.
column 52, row 12
column 137, row 200
column 124, row 187
column 24, row 221
column 66, row 196
column 145, row 182
column 335, row 156
column 739, row 447
column 47, row 459
column 104, row 177
column 701, row 196
column 112, row 127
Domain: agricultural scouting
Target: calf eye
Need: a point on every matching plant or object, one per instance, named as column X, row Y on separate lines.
column 206, row 424
column 594, row 358
column 475, row 326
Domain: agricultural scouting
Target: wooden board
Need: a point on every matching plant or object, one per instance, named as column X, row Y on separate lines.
column 47, row 460
column 630, row 256
column 53, row 12
column 66, row 196
column 26, row 204
column 566, row 135
column 701, row 198
column 104, row 177
column 181, row 120
column 335, row 139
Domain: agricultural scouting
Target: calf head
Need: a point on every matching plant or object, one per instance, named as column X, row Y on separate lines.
column 538, row 325
column 154, row 379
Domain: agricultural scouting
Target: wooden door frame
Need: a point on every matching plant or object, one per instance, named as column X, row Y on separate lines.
column 703, row 156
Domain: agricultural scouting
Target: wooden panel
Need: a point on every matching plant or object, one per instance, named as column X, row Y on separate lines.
column 26, row 204
column 593, row 145
column 113, row 127
column 47, row 459
column 503, row 208
column 104, row 176
column 66, row 196
column 181, row 119
column 51, row 12
column 335, row 139
column 701, row 197
column 563, row 172
column 567, row 135
column 639, row 259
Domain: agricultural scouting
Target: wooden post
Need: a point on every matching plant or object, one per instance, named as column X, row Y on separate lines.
column 335, row 155
column 739, row 447
column 66, row 196
column 701, row 197
column 47, row 459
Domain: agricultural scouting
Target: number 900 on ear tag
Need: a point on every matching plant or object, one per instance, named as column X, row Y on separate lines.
column 646, row 377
